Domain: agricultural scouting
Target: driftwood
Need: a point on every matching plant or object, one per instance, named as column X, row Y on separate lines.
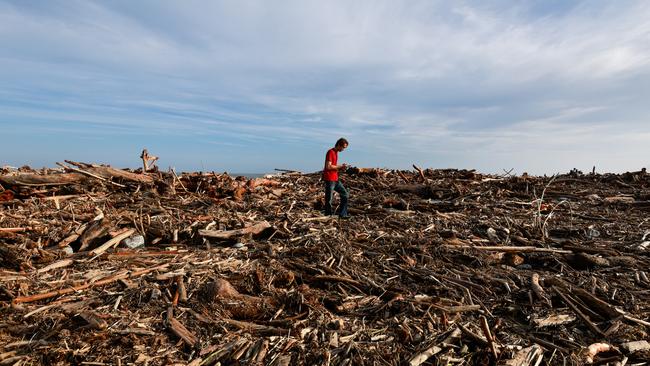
column 104, row 281
column 511, row 249
column 94, row 230
column 41, row 180
column 538, row 290
column 529, row 356
column 90, row 175
column 102, row 172
column 107, row 172
column 179, row 329
column 229, row 234
column 147, row 160
column 114, row 241
column 589, row 354
column 590, row 324
column 553, row 320
column 434, row 267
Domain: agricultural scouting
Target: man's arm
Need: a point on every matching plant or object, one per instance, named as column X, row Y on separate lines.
column 330, row 166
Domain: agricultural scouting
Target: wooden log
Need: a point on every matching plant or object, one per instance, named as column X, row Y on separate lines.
column 90, row 175
column 79, row 175
column 94, row 230
column 104, row 281
column 108, row 172
column 510, row 249
column 42, row 180
column 116, row 240
column 179, row 329
column 229, row 234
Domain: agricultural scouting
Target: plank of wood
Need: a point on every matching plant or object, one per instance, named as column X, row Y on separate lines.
column 180, row 330
column 116, row 240
column 509, row 249
column 228, row 234
column 553, row 320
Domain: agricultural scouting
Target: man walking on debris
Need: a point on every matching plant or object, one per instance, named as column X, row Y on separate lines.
column 331, row 178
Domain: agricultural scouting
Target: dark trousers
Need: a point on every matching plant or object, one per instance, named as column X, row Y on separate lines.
column 343, row 194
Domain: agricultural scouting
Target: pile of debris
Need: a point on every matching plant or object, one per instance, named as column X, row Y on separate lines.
column 103, row 266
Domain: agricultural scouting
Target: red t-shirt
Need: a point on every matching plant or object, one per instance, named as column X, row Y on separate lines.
column 331, row 175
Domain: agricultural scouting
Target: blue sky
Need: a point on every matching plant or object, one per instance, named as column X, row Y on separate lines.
column 248, row 86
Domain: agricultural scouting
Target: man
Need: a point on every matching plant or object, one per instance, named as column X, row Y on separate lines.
column 331, row 178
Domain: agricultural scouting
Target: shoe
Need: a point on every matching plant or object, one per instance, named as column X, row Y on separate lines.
column 346, row 217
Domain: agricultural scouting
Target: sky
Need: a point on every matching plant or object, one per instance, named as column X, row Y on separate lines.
column 249, row 86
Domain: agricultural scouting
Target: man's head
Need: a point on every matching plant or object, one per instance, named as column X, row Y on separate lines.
column 341, row 144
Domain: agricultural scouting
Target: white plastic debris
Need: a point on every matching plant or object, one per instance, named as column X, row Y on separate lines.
column 492, row 234
column 134, row 242
column 592, row 232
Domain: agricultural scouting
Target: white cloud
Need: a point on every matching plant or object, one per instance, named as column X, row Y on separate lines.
column 469, row 81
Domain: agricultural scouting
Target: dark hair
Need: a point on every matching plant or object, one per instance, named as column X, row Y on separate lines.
column 341, row 142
